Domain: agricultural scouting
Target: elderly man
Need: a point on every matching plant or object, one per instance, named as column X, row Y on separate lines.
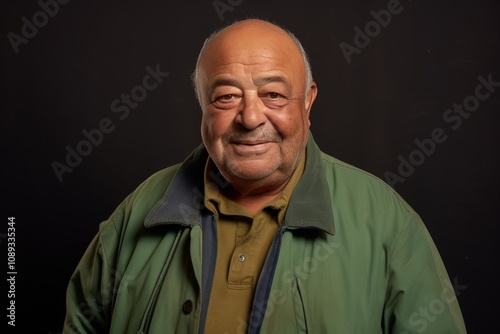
column 258, row 230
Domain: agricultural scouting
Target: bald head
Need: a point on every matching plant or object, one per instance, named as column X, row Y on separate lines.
column 259, row 31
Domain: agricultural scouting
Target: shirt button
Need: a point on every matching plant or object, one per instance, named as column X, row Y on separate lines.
column 187, row 307
column 241, row 257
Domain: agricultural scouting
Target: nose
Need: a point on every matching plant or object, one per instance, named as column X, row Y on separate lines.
column 252, row 113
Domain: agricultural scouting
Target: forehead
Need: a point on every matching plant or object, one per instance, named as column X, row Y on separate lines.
column 250, row 32
column 254, row 47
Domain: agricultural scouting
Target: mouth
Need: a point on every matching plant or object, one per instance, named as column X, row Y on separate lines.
column 251, row 147
column 250, row 142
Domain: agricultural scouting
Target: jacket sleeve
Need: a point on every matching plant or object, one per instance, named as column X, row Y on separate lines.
column 91, row 289
column 421, row 298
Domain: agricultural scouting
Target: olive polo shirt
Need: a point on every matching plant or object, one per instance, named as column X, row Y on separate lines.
column 243, row 241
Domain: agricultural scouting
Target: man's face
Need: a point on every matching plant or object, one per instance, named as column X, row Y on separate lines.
column 255, row 108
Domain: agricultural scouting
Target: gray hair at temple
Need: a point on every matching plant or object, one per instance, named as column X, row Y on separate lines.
column 305, row 57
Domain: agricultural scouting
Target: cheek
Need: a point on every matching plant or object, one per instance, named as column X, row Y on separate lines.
column 214, row 125
column 204, row 131
column 291, row 124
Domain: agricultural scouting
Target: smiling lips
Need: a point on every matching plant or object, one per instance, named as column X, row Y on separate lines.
column 253, row 147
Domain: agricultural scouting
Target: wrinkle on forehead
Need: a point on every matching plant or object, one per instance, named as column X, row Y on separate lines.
column 256, row 46
column 258, row 81
column 267, row 30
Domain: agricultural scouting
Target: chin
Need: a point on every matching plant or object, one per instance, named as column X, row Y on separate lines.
column 249, row 171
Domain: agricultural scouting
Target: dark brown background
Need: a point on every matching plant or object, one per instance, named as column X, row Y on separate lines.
column 368, row 113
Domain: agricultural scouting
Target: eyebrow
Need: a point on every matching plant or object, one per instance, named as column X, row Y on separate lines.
column 275, row 78
column 259, row 81
column 223, row 82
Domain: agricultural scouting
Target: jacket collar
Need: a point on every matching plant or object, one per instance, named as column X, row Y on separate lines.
column 183, row 202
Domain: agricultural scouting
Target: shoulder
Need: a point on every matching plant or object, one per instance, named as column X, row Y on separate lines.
column 350, row 178
column 154, row 186
column 360, row 187
column 135, row 207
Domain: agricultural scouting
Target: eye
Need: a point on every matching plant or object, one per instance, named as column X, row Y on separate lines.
column 274, row 95
column 274, row 100
column 226, row 101
column 226, row 97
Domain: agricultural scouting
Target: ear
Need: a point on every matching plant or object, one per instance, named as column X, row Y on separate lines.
column 310, row 97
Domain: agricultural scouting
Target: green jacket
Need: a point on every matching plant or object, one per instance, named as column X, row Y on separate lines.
column 350, row 257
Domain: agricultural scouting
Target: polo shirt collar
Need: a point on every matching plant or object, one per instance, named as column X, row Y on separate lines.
column 183, row 201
